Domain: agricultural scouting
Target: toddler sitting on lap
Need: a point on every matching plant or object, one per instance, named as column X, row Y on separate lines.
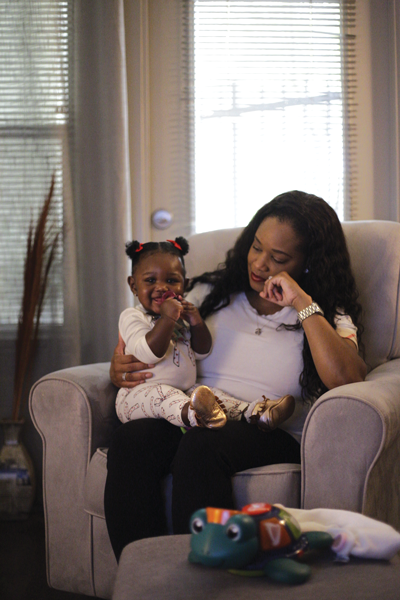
column 168, row 331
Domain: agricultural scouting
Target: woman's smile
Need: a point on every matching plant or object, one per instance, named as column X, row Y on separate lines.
column 256, row 278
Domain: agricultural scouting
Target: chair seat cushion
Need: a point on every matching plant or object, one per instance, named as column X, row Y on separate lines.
column 95, row 482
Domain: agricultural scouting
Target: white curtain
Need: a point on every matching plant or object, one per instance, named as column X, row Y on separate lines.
column 91, row 163
column 100, row 168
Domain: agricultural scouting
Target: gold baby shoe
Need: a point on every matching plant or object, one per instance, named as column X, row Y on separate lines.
column 207, row 410
column 269, row 414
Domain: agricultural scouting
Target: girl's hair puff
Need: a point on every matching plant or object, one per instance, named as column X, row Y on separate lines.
column 328, row 277
column 136, row 251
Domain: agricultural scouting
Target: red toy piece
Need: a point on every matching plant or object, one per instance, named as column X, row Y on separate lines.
column 168, row 295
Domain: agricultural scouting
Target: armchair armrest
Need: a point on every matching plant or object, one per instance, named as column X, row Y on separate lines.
column 73, row 411
column 351, row 445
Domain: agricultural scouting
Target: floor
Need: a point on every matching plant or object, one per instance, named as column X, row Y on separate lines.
column 22, row 562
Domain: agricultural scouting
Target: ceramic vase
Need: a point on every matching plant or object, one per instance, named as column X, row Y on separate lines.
column 17, row 482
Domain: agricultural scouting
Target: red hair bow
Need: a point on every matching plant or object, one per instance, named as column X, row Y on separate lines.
column 175, row 244
column 140, row 248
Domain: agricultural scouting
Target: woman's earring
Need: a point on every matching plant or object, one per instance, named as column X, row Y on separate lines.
column 306, row 270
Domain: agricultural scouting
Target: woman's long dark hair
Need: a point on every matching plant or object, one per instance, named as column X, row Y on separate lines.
column 328, row 278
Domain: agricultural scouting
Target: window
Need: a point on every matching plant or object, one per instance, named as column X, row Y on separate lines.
column 34, row 99
column 273, row 86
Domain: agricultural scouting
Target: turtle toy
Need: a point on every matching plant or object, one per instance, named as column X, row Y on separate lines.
column 260, row 539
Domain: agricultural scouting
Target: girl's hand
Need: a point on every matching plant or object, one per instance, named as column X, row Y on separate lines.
column 281, row 289
column 127, row 364
column 171, row 308
column 190, row 313
column 200, row 335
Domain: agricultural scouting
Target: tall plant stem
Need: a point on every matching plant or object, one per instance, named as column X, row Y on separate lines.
column 41, row 247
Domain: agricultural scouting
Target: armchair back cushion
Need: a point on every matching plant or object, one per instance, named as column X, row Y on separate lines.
column 374, row 248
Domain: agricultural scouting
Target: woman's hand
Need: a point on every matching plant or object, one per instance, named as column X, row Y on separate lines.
column 281, row 289
column 124, row 366
column 335, row 358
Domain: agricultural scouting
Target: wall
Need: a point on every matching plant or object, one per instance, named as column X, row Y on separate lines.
column 385, row 74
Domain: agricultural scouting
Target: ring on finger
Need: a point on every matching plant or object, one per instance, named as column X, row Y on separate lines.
column 124, row 376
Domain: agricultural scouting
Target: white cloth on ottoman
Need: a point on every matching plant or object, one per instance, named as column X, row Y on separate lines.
column 354, row 534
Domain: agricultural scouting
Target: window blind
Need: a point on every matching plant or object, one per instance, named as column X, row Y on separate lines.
column 271, row 86
column 34, row 105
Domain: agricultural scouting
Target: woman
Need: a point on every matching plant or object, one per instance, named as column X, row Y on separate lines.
column 284, row 317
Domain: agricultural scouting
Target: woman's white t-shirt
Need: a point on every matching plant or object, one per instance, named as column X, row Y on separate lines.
column 247, row 365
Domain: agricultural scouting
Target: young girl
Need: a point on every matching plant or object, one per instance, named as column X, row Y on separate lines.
column 168, row 331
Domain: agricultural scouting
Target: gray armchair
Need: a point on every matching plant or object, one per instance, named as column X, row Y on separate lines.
column 350, row 448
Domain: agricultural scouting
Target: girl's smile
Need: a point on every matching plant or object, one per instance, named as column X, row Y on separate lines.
column 153, row 276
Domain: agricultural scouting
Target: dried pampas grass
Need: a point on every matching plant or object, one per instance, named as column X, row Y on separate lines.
column 41, row 248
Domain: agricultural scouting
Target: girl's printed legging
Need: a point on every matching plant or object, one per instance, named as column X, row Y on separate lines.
column 161, row 401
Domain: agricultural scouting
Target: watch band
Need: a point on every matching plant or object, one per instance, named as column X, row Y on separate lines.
column 308, row 311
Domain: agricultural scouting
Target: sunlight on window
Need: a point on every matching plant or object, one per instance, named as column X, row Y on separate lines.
column 34, row 96
column 268, row 106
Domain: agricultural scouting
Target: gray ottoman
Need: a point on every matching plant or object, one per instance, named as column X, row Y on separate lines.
column 158, row 569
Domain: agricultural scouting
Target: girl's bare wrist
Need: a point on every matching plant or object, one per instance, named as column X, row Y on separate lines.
column 197, row 324
column 170, row 318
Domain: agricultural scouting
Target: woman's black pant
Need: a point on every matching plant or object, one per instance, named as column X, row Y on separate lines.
column 202, row 462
